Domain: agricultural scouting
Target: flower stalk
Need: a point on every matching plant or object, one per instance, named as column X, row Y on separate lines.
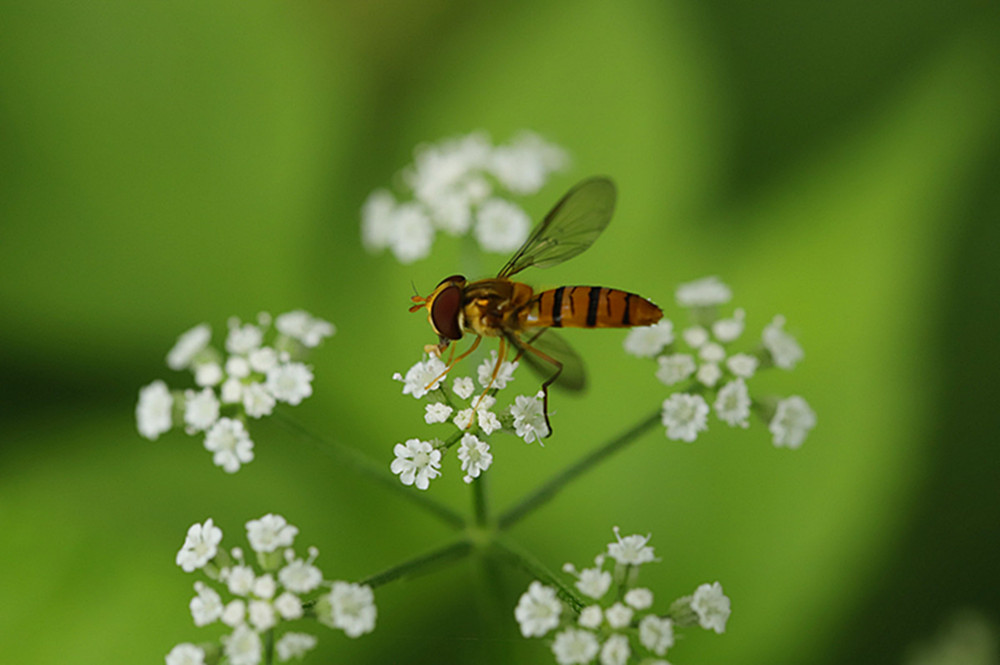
column 362, row 465
column 548, row 491
column 421, row 564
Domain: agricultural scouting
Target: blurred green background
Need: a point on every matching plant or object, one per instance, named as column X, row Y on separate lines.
column 165, row 164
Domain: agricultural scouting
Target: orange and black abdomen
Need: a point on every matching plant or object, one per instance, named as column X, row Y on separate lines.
column 589, row 307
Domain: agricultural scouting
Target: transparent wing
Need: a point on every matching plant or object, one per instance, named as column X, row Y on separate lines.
column 539, row 344
column 571, row 227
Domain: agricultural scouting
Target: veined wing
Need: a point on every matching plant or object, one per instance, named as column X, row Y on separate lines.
column 570, row 227
column 546, row 342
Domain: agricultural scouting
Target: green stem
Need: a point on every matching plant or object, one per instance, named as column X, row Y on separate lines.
column 544, row 493
column 269, row 647
column 451, row 441
column 521, row 559
column 420, row 564
column 480, row 500
column 363, row 465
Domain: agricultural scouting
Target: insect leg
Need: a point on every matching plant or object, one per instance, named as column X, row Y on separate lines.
column 526, row 346
column 501, row 355
column 452, row 363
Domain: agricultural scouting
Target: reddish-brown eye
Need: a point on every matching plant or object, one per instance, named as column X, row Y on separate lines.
column 444, row 312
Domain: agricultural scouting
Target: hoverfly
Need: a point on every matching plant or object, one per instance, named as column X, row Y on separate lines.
column 522, row 318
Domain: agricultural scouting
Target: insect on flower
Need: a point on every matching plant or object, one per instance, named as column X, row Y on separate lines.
column 522, row 318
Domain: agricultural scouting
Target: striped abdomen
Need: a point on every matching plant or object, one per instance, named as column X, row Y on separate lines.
column 589, row 307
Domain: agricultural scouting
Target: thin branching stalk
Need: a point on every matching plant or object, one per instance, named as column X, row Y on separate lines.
column 547, row 491
column 421, row 564
column 521, row 559
column 360, row 463
column 269, row 646
column 480, row 500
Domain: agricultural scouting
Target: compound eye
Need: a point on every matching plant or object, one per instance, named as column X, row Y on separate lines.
column 444, row 312
column 454, row 279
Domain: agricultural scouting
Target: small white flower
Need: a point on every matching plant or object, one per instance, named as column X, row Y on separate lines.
column 732, row 404
column 729, row 330
column 529, row 418
column 438, row 412
column 270, row 532
column 594, row 582
column 704, row 292
column 208, row 374
column 656, row 634
column 640, row 599
column 411, row 233
column 257, row 400
column 523, row 166
column 445, row 166
column 538, row 610
column 591, row 617
column 684, row 416
column 464, row 387
column 488, row 421
column 422, row 377
column 675, row 368
column 742, row 365
column 234, row 613
column 792, row 421
column 239, row 580
column 289, row 606
column 201, row 409
column 631, row 550
column 504, row 374
column 243, row 647
column 618, row 615
column 262, row 360
column 231, row 391
column 200, row 546
column 243, row 339
column 575, row 647
column 353, row 607
column 475, row 456
column 451, row 212
column 189, row 345
column 615, row 651
column 463, row 419
column 153, row 412
column 238, row 367
column 485, row 403
column 229, row 444
column 294, row 645
column 501, row 226
column 261, row 615
column 304, row 327
column 417, row 463
column 206, row 607
column 695, row 336
column 300, row 576
column 712, row 607
column 377, row 220
column 264, row 586
column 290, row 382
column 648, row 341
column 708, row 374
column 186, row 654
column 712, row 353
column 784, row 349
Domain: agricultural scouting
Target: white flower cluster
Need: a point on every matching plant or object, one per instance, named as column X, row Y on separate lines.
column 454, row 185
column 277, row 588
column 260, row 368
column 714, row 376
column 475, row 416
column 618, row 626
